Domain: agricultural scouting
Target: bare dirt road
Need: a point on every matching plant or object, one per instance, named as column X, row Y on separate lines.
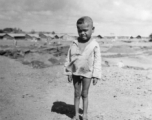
column 44, row 94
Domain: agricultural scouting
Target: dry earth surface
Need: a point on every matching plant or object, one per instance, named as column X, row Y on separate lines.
column 33, row 86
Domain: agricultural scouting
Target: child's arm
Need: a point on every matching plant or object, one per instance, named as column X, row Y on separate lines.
column 65, row 66
column 67, row 62
column 97, row 64
column 95, row 80
column 69, row 78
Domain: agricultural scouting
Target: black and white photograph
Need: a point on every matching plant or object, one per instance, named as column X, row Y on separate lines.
column 75, row 60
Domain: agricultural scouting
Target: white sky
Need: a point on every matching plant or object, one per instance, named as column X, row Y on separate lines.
column 111, row 17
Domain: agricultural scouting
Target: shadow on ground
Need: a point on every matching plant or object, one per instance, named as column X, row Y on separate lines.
column 63, row 108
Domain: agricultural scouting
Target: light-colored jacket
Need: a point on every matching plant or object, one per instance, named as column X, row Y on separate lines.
column 86, row 63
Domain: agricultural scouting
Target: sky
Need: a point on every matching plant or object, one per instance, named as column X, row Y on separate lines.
column 110, row 17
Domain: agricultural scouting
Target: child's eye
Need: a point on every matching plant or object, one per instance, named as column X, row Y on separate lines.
column 83, row 30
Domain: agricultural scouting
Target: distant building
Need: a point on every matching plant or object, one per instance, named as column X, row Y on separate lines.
column 109, row 37
column 59, row 35
column 2, row 35
column 33, row 37
column 8, row 37
column 123, row 37
column 50, row 36
column 67, row 37
column 46, row 37
column 145, row 38
column 99, row 36
column 11, row 36
column 42, row 36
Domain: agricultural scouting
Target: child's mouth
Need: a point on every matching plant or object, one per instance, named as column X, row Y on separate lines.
column 83, row 36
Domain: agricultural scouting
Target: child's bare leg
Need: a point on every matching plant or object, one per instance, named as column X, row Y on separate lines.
column 85, row 88
column 77, row 94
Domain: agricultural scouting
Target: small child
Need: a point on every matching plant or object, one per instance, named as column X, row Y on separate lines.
column 83, row 64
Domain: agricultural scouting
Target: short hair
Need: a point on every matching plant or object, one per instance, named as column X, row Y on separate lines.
column 84, row 19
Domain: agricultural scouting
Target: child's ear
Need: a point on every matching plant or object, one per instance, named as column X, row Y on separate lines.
column 93, row 29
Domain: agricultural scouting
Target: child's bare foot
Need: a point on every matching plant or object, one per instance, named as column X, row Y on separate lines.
column 75, row 118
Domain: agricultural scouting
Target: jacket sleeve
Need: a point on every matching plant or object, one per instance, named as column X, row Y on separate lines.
column 67, row 62
column 97, row 63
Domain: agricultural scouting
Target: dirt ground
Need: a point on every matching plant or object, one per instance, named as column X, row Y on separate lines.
column 33, row 86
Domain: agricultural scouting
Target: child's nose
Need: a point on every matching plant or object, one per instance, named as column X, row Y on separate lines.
column 82, row 33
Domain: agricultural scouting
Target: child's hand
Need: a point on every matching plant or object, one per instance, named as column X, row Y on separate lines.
column 69, row 78
column 95, row 80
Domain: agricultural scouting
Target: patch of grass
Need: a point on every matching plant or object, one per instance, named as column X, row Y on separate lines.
column 54, row 61
column 36, row 64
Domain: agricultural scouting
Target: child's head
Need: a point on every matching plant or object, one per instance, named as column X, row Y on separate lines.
column 85, row 28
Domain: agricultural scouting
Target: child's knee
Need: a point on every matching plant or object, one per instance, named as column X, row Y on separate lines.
column 84, row 94
column 77, row 94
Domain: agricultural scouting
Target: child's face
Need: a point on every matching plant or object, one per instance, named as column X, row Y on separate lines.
column 85, row 31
